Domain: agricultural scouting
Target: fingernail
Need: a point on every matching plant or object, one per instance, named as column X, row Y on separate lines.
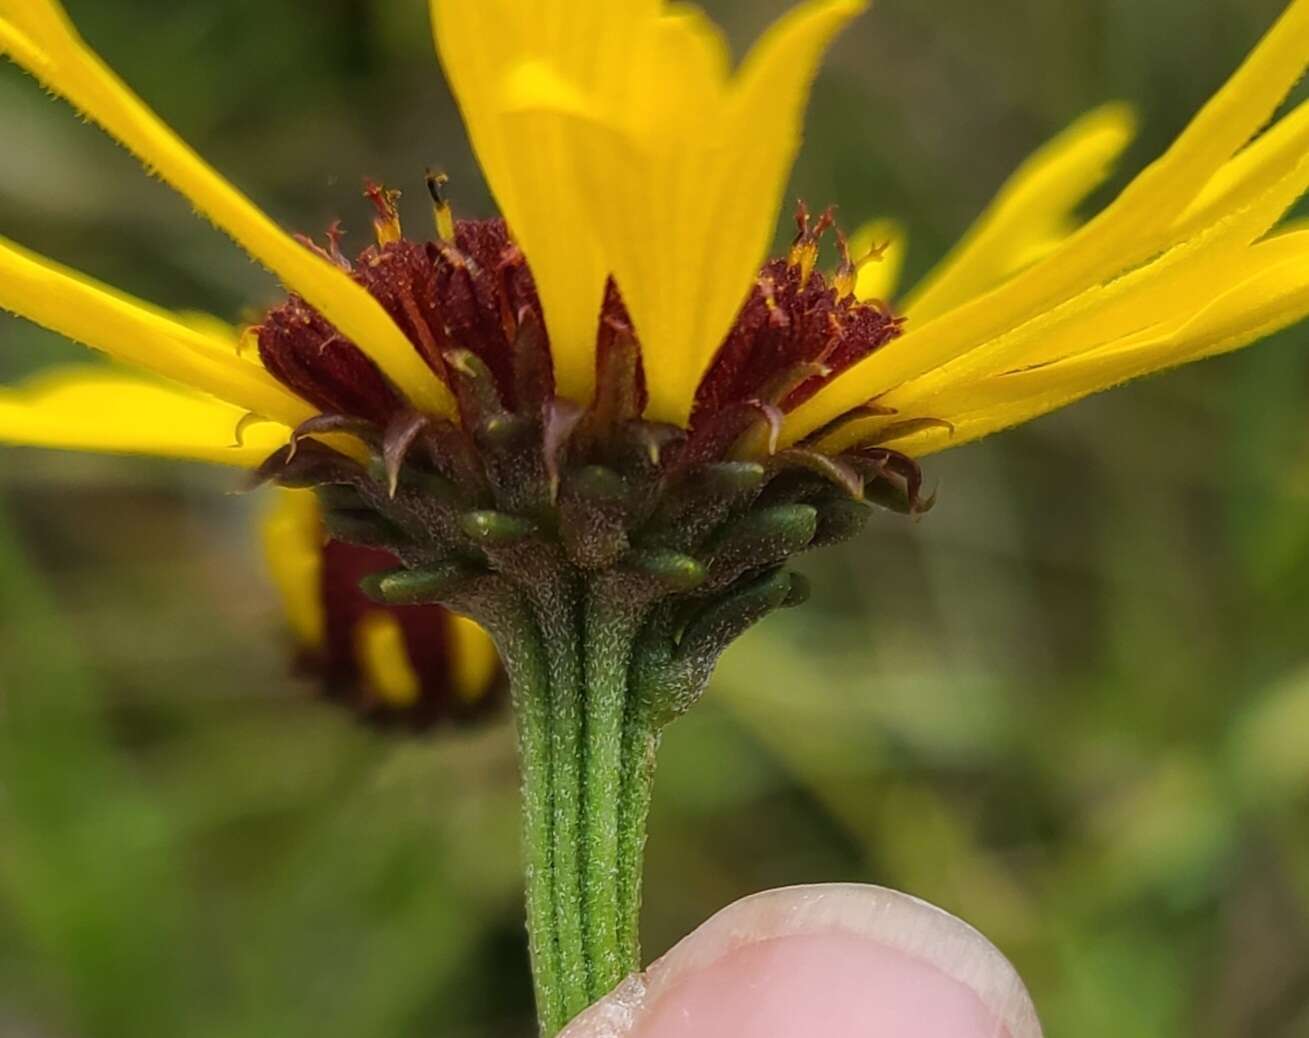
column 837, row 960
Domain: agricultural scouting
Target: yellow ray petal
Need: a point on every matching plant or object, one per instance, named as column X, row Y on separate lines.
column 879, row 278
column 292, row 535
column 1138, row 223
column 37, row 35
column 474, row 660
column 1035, row 206
column 384, row 661
column 641, row 187
column 1137, row 308
column 138, row 334
column 1159, row 294
column 713, row 260
column 1274, row 295
column 680, row 226
column 483, row 46
column 1250, row 173
column 1141, row 223
column 1171, row 287
column 90, row 408
column 37, row 18
column 19, row 46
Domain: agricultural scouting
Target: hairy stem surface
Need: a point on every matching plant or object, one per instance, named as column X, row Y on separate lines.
column 583, row 840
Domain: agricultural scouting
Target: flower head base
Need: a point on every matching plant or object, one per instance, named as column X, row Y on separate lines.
column 705, row 509
column 700, row 512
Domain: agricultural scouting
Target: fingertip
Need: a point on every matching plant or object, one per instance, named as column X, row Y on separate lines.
column 838, row 960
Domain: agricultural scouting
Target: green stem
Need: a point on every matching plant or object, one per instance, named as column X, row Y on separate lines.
column 561, row 628
column 612, row 617
column 640, row 744
column 529, row 680
column 587, row 744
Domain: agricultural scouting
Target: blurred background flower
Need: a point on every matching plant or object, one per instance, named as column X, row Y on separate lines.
column 1071, row 705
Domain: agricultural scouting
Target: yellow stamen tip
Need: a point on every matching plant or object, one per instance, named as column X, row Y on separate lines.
column 441, row 210
column 804, row 257
column 386, row 224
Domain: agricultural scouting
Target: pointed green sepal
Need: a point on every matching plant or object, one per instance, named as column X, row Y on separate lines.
column 505, row 432
column 731, row 478
column 367, row 529
column 398, row 587
column 769, row 535
column 428, row 484
column 675, row 571
column 799, row 592
column 597, row 483
column 340, row 497
column 494, row 529
column 729, row 616
column 839, row 519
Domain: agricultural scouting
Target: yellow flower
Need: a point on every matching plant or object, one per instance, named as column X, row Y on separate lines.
column 407, row 666
column 620, row 143
column 602, row 426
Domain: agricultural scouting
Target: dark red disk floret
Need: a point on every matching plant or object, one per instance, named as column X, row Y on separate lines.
column 428, row 643
column 797, row 329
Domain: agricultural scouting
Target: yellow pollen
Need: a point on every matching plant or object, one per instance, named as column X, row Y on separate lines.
column 386, row 225
column 388, row 231
column 844, row 281
column 441, row 211
column 804, row 256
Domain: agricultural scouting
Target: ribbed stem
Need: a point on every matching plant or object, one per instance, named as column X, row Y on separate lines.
column 640, row 745
column 595, row 673
column 571, row 693
column 561, row 627
column 613, row 616
column 529, row 679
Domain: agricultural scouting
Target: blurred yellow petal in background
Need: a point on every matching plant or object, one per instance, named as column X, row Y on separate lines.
column 92, row 408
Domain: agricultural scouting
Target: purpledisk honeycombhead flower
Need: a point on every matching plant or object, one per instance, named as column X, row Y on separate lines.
column 410, row 667
column 614, row 148
column 602, row 425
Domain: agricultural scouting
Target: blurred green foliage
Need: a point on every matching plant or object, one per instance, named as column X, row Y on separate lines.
column 1070, row 705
